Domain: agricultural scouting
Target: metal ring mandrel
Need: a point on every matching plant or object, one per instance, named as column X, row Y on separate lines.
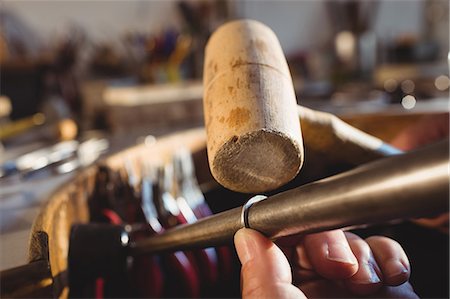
column 411, row 185
column 246, row 208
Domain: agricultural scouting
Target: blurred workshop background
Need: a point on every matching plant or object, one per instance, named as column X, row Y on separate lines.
column 80, row 79
column 105, row 65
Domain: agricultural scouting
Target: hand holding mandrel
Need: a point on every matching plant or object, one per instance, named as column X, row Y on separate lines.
column 256, row 152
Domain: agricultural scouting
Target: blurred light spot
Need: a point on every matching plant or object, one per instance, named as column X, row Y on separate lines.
column 124, row 239
column 39, row 163
column 38, row 118
column 408, row 102
column 345, row 45
column 407, row 86
column 149, row 140
column 67, row 129
column 390, row 85
column 5, row 106
column 442, row 82
column 67, row 167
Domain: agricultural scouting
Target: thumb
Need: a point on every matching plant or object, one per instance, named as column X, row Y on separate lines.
column 265, row 270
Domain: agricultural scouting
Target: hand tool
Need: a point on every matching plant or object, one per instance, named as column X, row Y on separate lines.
column 61, row 157
column 118, row 192
column 253, row 132
column 175, row 211
column 411, row 185
column 254, row 140
column 183, row 279
column 187, row 187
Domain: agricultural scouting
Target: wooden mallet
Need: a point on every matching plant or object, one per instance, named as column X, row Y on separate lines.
column 254, row 140
column 252, row 119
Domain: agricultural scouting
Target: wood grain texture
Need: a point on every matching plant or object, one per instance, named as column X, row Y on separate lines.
column 253, row 133
column 336, row 140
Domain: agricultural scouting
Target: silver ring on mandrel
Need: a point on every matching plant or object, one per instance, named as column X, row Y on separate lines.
column 246, row 208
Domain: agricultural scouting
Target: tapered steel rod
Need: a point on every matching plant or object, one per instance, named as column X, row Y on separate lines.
column 410, row 185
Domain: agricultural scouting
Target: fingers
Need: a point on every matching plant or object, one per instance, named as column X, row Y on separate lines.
column 381, row 260
column 377, row 265
column 364, row 265
column 368, row 278
column 391, row 258
column 330, row 254
column 265, row 270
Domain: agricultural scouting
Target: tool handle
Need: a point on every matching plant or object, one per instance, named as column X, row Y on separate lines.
column 333, row 138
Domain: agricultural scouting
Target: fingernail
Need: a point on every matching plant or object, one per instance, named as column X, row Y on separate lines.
column 394, row 268
column 303, row 258
column 366, row 274
column 244, row 246
column 340, row 253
